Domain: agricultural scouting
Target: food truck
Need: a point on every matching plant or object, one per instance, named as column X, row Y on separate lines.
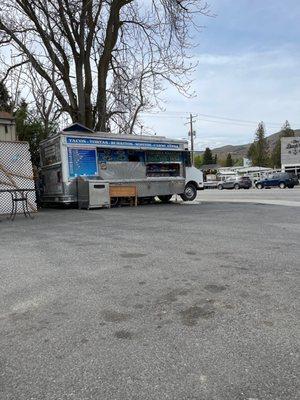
column 80, row 166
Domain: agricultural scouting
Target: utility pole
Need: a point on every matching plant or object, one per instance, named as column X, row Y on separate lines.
column 192, row 134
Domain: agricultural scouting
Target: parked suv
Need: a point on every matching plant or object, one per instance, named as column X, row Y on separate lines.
column 238, row 182
column 281, row 179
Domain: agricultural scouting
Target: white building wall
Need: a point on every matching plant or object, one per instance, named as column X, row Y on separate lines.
column 7, row 130
column 290, row 154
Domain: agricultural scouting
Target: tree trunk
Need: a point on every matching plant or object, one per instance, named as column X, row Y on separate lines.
column 111, row 36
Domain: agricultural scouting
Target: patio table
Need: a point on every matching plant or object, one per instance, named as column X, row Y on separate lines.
column 18, row 195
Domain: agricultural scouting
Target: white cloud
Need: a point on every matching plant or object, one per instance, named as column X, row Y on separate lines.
column 247, row 86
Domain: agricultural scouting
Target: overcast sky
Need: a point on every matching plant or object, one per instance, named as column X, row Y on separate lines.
column 249, row 70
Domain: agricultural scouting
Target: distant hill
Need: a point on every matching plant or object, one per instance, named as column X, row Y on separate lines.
column 240, row 151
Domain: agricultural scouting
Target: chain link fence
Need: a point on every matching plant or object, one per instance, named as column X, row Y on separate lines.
column 15, row 173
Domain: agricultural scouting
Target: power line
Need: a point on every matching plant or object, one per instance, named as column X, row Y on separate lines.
column 244, row 124
column 212, row 118
column 164, row 116
column 219, row 119
column 237, row 120
column 220, row 122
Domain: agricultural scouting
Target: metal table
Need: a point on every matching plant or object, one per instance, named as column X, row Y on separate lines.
column 18, row 196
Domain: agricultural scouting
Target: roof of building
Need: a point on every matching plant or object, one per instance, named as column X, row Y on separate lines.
column 209, row 167
column 76, row 127
column 6, row 115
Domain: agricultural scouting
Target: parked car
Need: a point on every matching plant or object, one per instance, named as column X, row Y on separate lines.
column 235, row 182
column 280, row 179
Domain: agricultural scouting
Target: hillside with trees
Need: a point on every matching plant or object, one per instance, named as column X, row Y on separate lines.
column 239, row 151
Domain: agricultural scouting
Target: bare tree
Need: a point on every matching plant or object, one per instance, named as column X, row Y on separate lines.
column 11, row 72
column 45, row 106
column 135, row 88
column 101, row 70
column 25, row 84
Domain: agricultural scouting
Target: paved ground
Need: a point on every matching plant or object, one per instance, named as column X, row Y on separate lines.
column 156, row 302
column 274, row 196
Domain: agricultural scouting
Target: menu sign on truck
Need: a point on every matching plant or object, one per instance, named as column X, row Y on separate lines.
column 82, row 162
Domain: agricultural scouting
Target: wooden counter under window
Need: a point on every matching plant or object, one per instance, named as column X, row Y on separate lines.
column 129, row 191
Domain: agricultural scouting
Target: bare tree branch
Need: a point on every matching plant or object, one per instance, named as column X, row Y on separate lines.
column 111, row 58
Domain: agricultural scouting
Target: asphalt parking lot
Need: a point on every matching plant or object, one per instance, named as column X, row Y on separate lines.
column 274, row 196
column 155, row 302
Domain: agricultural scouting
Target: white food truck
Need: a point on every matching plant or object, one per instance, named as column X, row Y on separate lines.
column 155, row 165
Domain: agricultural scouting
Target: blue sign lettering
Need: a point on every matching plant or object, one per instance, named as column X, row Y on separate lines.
column 121, row 143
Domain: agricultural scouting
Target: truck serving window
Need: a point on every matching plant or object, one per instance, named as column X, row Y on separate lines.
column 164, row 156
column 119, row 155
column 51, row 154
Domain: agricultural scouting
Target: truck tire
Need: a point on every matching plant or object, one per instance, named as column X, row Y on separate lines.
column 165, row 198
column 190, row 192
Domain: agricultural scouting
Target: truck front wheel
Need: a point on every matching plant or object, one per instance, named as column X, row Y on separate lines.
column 190, row 192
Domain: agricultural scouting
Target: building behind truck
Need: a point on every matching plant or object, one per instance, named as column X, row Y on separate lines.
column 290, row 155
column 7, row 127
column 155, row 165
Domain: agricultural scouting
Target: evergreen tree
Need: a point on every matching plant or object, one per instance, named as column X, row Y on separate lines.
column 21, row 115
column 198, row 161
column 261, row 146
column 286, row 131
column 207, row 156
column 29, row 129
column 216, row 159
column 258, row 150
column 239, row 162
column 251, row 151
column 4, row 98
column 229, row 161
